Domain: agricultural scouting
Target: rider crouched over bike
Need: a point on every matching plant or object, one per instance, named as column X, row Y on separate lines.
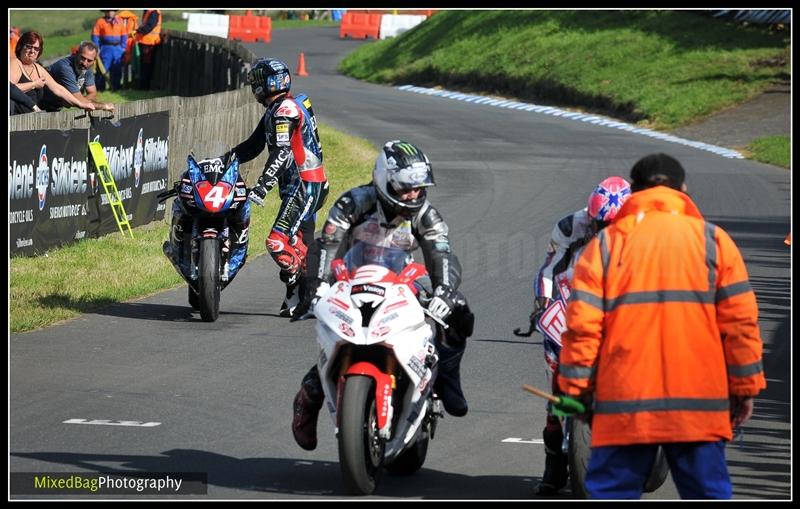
column 568, row 239
column 394, row 211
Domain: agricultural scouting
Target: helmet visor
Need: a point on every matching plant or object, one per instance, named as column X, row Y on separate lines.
column 415, row 176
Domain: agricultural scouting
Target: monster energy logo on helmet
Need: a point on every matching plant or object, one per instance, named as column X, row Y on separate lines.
column 407, row 148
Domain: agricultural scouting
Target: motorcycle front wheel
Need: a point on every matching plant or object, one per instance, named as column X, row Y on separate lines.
column 208, row 284
column 360, row 447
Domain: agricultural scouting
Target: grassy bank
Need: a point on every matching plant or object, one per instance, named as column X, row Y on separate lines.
column 775, row 150
column 658, row 68
column 115, row 268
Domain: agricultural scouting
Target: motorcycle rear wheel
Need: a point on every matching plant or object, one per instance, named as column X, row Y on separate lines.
column 360, row 448
column 208, row 284
column 580, row 450
column 194, row 299
column 580, row 441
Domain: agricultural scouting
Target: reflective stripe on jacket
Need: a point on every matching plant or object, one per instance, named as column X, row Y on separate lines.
column 109, row 33
column 662, row 325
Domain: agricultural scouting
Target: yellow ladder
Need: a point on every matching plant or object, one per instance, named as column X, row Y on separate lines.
column 109, row 186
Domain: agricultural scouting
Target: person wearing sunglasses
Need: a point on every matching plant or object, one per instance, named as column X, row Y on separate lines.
column 31, row 78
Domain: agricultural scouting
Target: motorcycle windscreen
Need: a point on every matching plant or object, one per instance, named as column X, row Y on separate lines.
column 363, row 253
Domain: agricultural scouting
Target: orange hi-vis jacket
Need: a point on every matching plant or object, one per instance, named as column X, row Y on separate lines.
column 662, row 326
column 129, row 20
column 109, row 33
column 154, row 36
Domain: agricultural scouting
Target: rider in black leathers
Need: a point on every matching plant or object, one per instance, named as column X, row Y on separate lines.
column 394, row 206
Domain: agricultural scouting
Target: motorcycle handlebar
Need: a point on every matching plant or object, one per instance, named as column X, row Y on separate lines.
column 168, row 194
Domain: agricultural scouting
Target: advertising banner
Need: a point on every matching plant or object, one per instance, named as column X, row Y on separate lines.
column 137, row 149
column 47, row 189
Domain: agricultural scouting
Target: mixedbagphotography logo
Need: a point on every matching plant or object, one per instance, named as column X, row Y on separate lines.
column 109, row 483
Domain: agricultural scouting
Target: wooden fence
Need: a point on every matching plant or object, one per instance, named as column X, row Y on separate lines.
column 189, row 64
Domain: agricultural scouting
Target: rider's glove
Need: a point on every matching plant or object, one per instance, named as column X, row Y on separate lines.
column 442, row 303
column 259, row 192
column 541, row 304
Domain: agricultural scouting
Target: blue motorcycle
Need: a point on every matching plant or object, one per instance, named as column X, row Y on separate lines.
column 209, row 193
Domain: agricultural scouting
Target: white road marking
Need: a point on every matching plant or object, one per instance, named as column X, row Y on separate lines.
column 109, row 422
column 514, row 440
column 571, row 115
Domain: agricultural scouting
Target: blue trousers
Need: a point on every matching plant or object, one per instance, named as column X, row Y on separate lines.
column 698, row 470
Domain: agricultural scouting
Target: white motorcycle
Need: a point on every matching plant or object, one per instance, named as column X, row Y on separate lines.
column 377, row 363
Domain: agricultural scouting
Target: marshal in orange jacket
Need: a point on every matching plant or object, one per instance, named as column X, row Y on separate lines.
column 662, row 325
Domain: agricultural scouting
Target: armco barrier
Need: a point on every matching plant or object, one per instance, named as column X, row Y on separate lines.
column 208, row 24
column 392, row 25
column 360, row 25
column 249, row 28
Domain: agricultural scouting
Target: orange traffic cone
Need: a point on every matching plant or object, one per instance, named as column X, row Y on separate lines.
column 788, row 239
column 301, row 66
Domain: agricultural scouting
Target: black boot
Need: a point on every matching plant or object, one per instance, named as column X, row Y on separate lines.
column 293, row 294
column 306, row 406
column 555, row 462
column 448, row 381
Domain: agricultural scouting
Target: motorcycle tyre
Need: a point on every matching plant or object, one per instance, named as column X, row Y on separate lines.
column 360, row 470
column 208, row 285
column 411, row 460
column 194, row 299
column 580, row 451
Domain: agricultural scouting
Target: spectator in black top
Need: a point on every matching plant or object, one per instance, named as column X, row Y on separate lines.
column 31, row 78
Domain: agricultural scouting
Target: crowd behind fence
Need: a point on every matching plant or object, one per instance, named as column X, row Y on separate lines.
column 207, row 100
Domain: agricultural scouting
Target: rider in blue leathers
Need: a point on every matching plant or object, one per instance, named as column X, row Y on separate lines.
column 289, row 130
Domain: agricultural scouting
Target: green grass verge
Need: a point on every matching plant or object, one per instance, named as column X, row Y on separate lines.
column 659, row 68
column 96, row 272
column 775, row 150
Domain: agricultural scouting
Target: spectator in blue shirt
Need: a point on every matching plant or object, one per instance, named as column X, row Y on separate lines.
column 74, row 73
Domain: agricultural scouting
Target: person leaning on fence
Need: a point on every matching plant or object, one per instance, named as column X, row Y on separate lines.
column 31, row 78
column 109, row 35
column 148, row 36
column 662, row 332
column 74, row 73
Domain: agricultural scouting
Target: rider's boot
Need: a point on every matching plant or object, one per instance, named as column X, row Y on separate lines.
column 293, row 293
column 307, row 404
column 555, row 462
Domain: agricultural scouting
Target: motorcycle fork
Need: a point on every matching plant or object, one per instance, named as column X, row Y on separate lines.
column 388, row 368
